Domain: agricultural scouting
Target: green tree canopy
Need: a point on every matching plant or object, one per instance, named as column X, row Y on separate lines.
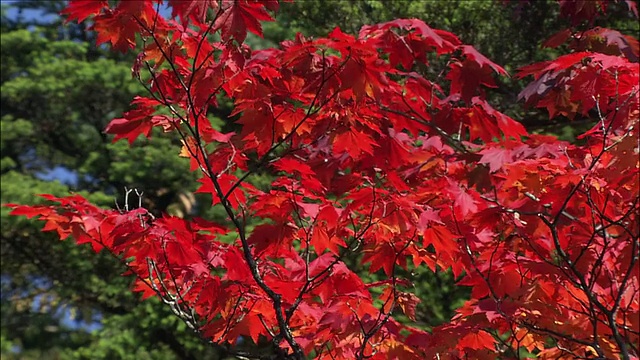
column 57, row 94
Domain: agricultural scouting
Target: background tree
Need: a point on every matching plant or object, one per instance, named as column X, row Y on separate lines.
column 58, row 93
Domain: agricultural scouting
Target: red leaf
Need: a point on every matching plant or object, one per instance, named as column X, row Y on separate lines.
column 138, row 121
column 472, row 54
column 143, row 287
column 82, row 9
column 129, row 129
column 28, row 210
column 120, row 26
column 442, row 41
column 557, row 39
column 323, row 239
column 509, row 127
column 181, row 255
column 194, row 9
column 363, row 76
column 353, row 142
column 289, row 165
column 427, row 217
column 240, row 16
column 408, row 302
column 465, row 202
column 268, row 239
column 381, row 257
column 441, row 238
column 559, row 64
column 495, row 157
column 613, row 43
column 225, row 182
column 477, row 340
column 580, row 10
column 466, row 78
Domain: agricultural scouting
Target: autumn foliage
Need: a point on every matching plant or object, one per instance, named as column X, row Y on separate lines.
column 374, row 160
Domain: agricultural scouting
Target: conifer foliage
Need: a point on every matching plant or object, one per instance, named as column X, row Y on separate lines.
column 375, row 161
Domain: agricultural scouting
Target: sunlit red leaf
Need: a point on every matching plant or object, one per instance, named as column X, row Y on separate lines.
column 81, row 9
column 196, row 9
column 240, row 16
column 353, row 142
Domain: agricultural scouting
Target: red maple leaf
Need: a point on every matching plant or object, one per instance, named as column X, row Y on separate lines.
column 323, row 239
column 240, row 16
column 477, row 340
column 80, row 10
column 225, row 182
column 462, row 199
column 495, row 157
column 192, row 9
column 135, row 122
column 557, row 39
column 466, row 78
column 382, row 256
column 472, row 54
column 120, row 26
column 353, row 142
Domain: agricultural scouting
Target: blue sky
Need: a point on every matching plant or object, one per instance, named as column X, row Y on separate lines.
column 27, row 14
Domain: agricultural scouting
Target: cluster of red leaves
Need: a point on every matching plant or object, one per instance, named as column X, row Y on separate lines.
column 370, row 157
